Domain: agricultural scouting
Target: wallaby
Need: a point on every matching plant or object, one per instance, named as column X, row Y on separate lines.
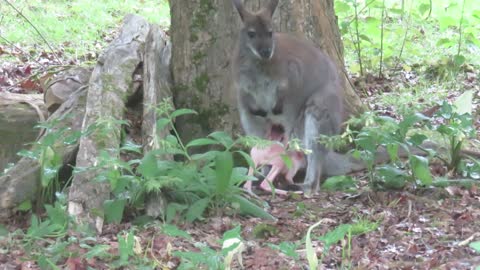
column 283, row 81
column 287, row 88
column 272, row 155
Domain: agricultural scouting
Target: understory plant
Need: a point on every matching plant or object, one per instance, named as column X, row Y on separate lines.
column 193, row 183
column 407, row 147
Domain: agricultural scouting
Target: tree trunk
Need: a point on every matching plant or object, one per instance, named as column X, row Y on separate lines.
column 203, row 34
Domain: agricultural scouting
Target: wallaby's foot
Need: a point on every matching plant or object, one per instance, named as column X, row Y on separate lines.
column 248, row 186
column 265, row 186
column 309, row 190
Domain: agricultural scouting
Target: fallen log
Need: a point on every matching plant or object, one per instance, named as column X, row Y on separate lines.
column 19, row 113
column 133, row 69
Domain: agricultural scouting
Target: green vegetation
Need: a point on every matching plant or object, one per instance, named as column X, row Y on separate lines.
column 78, row 26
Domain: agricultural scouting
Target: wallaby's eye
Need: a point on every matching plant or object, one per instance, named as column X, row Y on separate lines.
column 251, row 34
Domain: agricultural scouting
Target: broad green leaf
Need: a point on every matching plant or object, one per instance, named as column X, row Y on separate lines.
column 287, row 160
column 148, row 167
column 475, row 246
column 132, row 147
column 125, row 246
column 98, row 251
column 459, row 60
column 207, row 156
column 233, row 233
column 445, row 42
column 340, row 182
column 247, row 158
column 174, row 231
column 420, row 169
column 25, row 206
column 223, row 171
column 162, row 123
column 201, row 142
column 311, row 254
column 223, row 138
column 57, row 214
column 195, row 211
column 180, row 112
column 417, row 139
column 476, row 14
column 409, row 121
column 240, row 175
column 423, row 8
column 446, row 21
column 463, row 104
column 392, row 150
column 393, row 177
column 365, row 37
column 3, row 230
column 287, row 248
column 342, row 7
column 46, row 263
column 114, row 210
column 250, row 208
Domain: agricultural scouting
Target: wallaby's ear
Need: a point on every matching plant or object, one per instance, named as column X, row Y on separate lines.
column 272, row 6
column 240, row 8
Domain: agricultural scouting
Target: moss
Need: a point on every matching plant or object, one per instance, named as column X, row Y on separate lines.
column 201, row 82
column 201, row 17
column 198, row 57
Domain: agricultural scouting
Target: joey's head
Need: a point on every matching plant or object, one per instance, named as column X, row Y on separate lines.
column 257, row 32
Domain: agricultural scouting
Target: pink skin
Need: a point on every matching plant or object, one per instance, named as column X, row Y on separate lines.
column 271, row 155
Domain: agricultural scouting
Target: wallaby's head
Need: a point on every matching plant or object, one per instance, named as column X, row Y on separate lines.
column 257, row 31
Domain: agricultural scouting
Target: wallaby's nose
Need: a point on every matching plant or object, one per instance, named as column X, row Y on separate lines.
column 265, row 53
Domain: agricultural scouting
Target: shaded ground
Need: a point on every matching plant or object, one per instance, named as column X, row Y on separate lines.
column 427, row 230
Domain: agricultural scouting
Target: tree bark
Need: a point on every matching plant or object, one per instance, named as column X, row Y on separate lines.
column 111, row 84
column 203, row 34
column 156, row 88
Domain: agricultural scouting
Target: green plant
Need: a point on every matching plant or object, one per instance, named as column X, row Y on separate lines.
column 87, row 22
column 372, row 29
column 287, row 248
column 208, row 258
column 457, row 126
column 332, row 237
column 388, row 135
column 194, row 182
column 44, row 151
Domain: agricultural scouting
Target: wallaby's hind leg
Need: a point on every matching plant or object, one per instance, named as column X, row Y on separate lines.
column 322, row 116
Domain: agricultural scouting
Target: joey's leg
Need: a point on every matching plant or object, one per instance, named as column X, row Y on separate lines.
column 266, row 184
column 290, row 175
column 248, row 184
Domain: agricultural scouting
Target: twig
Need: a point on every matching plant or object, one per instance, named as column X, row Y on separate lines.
column 22, row 51
column 36, row 29
column 460, row 30
column 381, row 41
column 404, row 41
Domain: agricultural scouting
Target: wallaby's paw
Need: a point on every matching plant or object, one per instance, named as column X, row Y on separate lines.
column 308, row 191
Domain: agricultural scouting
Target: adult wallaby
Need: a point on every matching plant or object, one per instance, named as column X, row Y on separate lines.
column 286, row 88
